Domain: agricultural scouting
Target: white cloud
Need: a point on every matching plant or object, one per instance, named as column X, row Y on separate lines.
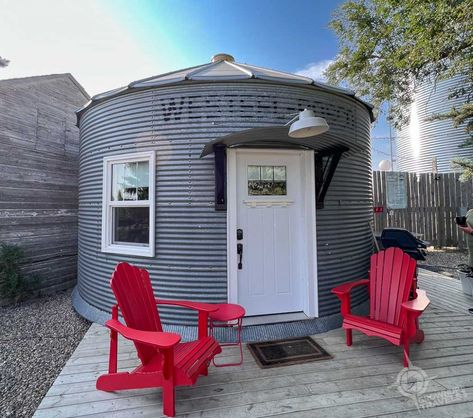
column 315, row 70
column 78, row 37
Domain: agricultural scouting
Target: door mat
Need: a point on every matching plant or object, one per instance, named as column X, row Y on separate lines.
column 286, row 352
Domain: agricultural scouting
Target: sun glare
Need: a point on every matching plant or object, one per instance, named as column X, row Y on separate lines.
column 414, row 131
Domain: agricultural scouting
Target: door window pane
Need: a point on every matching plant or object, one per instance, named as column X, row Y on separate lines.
column 131, row 225
column 130, row 181
column 267, row 180
column 254, row 172
column 267, row 173
column 280, row 173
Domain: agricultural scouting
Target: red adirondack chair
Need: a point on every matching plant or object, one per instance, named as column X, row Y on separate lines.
column 395, row 302
column 165, row 361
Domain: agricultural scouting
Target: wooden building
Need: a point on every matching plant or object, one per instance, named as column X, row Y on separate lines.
column 39, row 147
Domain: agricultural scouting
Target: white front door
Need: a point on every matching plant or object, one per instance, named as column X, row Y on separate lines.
column 275, row 268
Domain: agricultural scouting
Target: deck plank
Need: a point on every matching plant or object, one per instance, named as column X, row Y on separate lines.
column 444, row 292
column 357, row 382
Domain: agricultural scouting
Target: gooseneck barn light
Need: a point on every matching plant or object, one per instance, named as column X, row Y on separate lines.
column 307, row 125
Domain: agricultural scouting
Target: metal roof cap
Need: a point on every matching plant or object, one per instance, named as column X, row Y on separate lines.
column 222, row 68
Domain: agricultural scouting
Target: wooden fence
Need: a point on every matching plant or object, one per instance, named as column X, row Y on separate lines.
column 433, row 201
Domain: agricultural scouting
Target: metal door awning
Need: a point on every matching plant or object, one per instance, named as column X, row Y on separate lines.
column 328, row 148
column 276, row 137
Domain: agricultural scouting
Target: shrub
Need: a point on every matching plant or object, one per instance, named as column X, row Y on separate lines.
column 14, row 286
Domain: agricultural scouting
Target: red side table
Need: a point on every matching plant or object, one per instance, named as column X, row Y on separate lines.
column 228, row 315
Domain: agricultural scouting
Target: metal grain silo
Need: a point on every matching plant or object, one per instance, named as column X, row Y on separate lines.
column 430, row 145
column 238, row 111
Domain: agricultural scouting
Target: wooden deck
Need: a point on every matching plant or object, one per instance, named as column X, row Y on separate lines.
column 358, row 382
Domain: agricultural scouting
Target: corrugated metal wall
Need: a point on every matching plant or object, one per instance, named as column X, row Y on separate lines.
column 190, row 260
column 421, row 141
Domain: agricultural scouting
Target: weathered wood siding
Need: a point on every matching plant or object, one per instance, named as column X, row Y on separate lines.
column 433, row 201
column 39, row 145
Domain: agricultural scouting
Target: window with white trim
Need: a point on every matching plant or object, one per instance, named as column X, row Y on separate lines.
column 128, row 204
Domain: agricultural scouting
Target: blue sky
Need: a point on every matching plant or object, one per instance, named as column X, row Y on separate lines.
column 286, row 35
column 108, row 43
column 292, row 36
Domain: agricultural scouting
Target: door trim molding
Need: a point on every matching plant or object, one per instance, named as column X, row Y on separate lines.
column 310, row 303
column 232, row 262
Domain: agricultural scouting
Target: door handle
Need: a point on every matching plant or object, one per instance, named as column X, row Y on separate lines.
column 240, row 253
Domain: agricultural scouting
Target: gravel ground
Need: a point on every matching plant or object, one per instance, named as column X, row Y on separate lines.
column 444, row 260
column 36, row 339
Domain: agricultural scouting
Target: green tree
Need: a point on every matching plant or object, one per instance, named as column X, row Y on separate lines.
column 389, row 47
column 14, row 286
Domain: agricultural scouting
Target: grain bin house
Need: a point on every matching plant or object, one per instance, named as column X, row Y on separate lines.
column 425, row 145
column 39, row 155
column 193, row 176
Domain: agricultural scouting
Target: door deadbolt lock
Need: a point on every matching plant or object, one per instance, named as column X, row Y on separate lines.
column 239, row 234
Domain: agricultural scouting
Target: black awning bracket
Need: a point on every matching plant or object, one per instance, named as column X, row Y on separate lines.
column 325, row 165
column 220, row 156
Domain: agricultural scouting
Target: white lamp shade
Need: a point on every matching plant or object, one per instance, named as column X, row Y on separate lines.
column 384, row 165
column 308, row 125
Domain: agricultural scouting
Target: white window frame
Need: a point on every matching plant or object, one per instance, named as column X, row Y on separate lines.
column 108, row 204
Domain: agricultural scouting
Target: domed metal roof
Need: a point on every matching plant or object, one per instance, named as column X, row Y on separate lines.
column 222, row 68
